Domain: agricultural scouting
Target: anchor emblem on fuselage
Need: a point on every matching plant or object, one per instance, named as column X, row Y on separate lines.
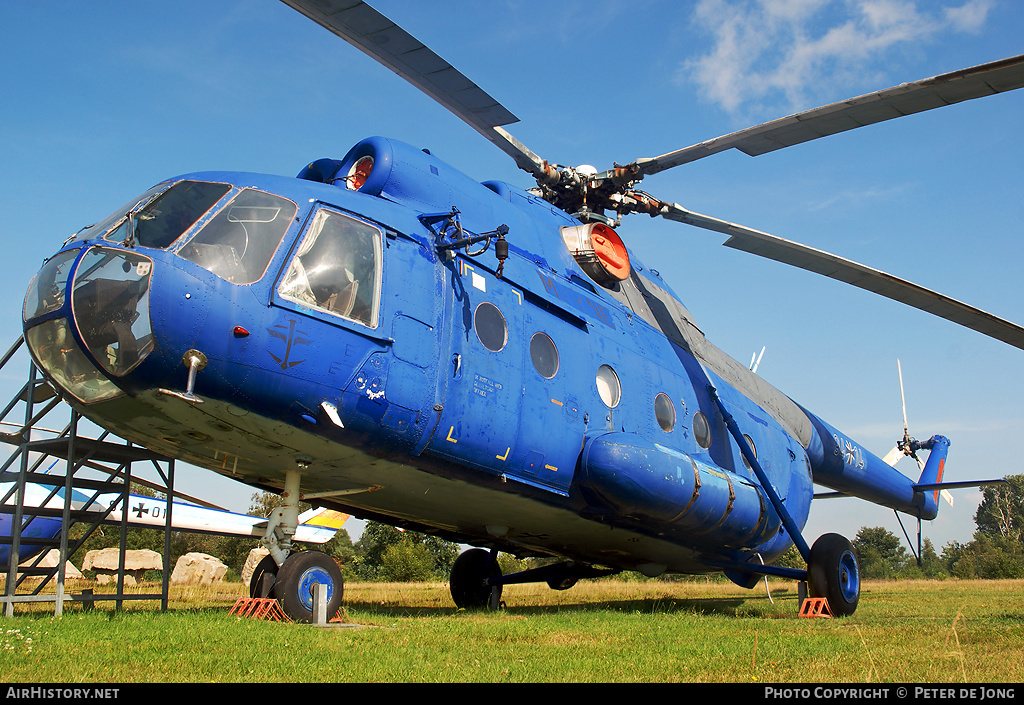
column 291, row 337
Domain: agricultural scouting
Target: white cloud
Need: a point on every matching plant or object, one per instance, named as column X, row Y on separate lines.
column 858, row 196
column 970, row 16
column 766, row 52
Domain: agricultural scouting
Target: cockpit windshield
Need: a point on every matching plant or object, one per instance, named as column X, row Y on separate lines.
column 239, row 241
column 235, row 243
column 159, row 221
column 118, row 217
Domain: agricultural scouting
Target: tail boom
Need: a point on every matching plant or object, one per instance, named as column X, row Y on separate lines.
column 839, row 463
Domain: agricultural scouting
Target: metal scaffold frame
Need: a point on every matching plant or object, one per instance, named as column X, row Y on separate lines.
column 105, row 463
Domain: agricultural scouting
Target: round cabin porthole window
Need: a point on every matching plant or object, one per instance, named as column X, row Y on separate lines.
column 665, row 412
column 701, row 430
column 608, row 386
column 544, row 355
column 490, row 326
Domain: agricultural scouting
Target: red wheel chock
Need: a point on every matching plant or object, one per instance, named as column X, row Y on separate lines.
column 815, row 607
column 266, row 608
column 259, row 608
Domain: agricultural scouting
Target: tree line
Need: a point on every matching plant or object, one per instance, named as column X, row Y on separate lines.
column 996, row 550
column 385, row 553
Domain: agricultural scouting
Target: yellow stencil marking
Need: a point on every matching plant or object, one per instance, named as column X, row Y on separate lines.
column 504, row 457
column 518, row 296
column 450, row 431
column 552, row 468
column 555, row 401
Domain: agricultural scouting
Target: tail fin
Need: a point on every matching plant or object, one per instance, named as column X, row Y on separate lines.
column 931, row 475
column 931, row 483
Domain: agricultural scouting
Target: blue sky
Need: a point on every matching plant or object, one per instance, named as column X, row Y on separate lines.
column 101, row 100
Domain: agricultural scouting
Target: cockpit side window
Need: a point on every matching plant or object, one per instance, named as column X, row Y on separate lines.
column 337, row 268
column 239, row 241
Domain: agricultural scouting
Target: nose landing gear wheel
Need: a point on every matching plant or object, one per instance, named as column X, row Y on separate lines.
column 263, row 579
column 832, row 573
column 469, row 572
column 295, row 581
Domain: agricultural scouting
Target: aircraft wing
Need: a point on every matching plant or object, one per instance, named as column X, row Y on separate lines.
column 315, row 526
column 322, row 524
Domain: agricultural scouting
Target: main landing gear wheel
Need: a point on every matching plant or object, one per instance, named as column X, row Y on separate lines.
column 258, row 587
column 468, row 579
column 295, row 581
column 832, row 573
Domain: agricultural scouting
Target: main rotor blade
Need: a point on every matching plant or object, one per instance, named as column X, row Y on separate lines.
column 859, row 275
column 371, row 32
column 903, row 398
column 898, row 101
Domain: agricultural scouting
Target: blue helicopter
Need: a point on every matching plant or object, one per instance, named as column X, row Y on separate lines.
column 387, row 337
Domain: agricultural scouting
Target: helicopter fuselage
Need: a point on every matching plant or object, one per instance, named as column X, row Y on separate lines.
column 245, row 323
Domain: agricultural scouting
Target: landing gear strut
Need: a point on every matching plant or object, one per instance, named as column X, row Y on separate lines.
column 832, row 570
column 288, row 575
column 476, row 579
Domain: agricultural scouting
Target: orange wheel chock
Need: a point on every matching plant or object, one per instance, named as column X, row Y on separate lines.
column 815, row 607
column 266, row 608
column 259, row 608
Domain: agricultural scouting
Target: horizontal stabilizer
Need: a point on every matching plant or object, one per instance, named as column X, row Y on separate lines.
column 831, row 495
column 957, row 485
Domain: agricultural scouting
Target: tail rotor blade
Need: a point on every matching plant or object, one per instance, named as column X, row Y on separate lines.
column 893, row 456
column 755, row 360
column 903, row 447
column 903, row 398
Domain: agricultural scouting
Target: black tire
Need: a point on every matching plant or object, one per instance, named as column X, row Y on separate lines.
column 833, row 573
column 268, row 567
column 563, row 582
column 295, row 581
column 469, row 572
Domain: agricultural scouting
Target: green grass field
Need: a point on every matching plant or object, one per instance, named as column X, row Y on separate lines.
column 600, row 631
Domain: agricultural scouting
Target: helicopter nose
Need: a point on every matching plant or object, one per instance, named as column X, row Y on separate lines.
column 102, row 331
